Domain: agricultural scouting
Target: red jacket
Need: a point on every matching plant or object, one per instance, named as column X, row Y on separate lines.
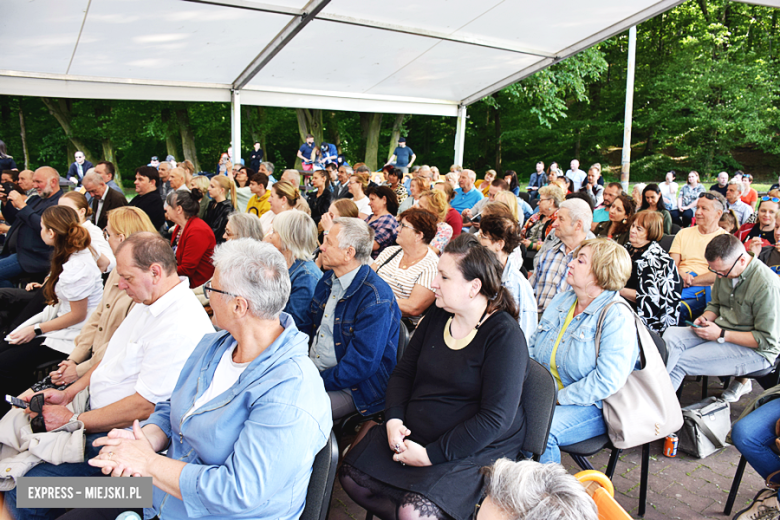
column 193, row 254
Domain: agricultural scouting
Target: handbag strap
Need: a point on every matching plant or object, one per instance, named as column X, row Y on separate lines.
column 400, row 250
column 704, row 428
column 603, row 316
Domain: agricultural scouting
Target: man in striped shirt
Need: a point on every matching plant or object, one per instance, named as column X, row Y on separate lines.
column 570, row 229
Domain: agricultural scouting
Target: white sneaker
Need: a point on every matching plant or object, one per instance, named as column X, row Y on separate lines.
column 736, row 390
column 764, row 507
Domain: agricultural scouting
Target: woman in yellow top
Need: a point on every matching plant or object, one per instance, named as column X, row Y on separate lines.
column 565, row 342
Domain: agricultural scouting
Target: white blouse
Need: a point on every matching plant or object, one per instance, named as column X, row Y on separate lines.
column 100, row 244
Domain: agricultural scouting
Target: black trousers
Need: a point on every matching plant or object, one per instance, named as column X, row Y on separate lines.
column 17, row 306
column 17, row 366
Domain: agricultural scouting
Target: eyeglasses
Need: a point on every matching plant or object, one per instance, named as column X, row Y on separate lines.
column 407, row 226
column 719, row 275
column 773, row 199
column 207, row 287
column 477, row 506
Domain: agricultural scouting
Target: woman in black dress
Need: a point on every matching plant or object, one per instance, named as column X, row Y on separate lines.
column 319, row 201
column 453, row 401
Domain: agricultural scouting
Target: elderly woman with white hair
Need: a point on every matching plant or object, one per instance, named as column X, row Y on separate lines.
column 295, row 236
column 243, row 225
column 565, row 342
column 528, row 489
column 254, row 380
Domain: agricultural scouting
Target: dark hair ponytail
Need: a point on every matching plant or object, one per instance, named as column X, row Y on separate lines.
column 69, row 237
column 475, row 261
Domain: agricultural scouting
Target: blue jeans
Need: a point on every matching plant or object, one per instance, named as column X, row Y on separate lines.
column 691, row 355
column 755, row 434
column 9, row 269
column 80, row 469
column 570, row 425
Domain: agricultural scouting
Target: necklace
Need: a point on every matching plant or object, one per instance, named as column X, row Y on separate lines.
column 458, row 344
column 406, row 265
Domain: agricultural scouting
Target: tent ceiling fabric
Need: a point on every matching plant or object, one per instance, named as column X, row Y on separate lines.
column 368, row 55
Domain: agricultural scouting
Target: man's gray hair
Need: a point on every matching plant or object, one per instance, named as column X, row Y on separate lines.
column 294, row 174
column 528, row 489
column 297, row 232
column 246, row 225
column 472, row 175
column 268, row 166
column 93, row 178
column 739, row 185
column 579, row 211
column 719, row 200
column 725, row 247
column 358, row 235
column 255, row 271
column 166, row 162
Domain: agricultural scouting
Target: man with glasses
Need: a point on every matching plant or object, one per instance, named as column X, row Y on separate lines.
column 104, row 199
column 496, row 187
column 739, row 330
column 78, row 168
column 687, row 251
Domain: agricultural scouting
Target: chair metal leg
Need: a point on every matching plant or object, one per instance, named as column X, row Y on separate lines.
column 582, row 462
column 369, row 516
column 704, row 383
column 612, row 464
column 644, row 478
column 735, row 485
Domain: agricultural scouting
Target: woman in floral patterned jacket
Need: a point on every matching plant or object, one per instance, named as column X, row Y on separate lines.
column 655, row 284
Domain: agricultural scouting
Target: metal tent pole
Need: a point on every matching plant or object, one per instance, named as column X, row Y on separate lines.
column 626, row 160
column 235, row 124
column 460, row 135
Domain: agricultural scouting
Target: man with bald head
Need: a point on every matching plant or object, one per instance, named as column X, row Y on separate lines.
column 24, row 251
column 25, row 182
column 104, row 199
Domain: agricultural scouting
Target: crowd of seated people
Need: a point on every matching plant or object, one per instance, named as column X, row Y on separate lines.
column 481, row 286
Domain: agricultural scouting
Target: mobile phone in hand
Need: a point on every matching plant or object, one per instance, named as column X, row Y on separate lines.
column 15, row 401
column 692, row 324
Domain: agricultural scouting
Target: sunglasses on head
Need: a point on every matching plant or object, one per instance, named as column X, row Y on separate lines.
column 773, row 199
column 707, row 196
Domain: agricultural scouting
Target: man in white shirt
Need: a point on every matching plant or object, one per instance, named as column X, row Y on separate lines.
column 576, row 175
column 734, row 191
column 143, row 359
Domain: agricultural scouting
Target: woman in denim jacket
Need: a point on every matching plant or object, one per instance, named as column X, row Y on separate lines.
column 295, row 236
column 565, row 343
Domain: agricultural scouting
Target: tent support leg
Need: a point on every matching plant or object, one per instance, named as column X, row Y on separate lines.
column 460, row 135
column 235, row 124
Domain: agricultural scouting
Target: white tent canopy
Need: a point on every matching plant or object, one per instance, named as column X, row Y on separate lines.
column 431, row 57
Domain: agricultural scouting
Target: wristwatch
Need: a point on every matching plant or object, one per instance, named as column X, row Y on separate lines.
column 722, row 338
column 37, row 330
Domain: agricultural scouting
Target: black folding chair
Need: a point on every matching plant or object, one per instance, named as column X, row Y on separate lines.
column 323, row 474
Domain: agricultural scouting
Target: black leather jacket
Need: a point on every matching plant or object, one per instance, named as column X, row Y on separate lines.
column 217, row 217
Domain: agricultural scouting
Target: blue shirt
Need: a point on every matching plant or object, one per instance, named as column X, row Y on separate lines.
column 304, row 276
column 601, row 215
column 323, row 352
column 306, row 149
column 250, row 450
column 402, row 155
column 466, row 200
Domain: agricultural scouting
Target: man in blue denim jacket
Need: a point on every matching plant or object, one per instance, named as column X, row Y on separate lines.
column 353, row 322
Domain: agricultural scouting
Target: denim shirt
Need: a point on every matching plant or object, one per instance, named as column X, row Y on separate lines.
column 249, row 451
column 585, row 381
column 365, row 335
column 304, row 276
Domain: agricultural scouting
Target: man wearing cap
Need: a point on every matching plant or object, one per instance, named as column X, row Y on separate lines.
column 170, row 160
column 403, row 156
column 78, row 168
column 154, row 162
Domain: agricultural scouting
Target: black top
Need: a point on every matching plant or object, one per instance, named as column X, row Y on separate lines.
column 720, row 190
column 319, row 205
column 217, row 218
column 7, row 163
column 755, row 231
column 462, row 405
column 636, row 254
column 152, row 204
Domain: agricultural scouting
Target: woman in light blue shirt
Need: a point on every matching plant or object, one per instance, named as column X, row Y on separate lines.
column 565, row 343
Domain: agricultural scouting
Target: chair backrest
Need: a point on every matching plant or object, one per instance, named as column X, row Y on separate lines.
column 323, row 474
column 666, row 242
column 660, row 344
column 403, row 341
column 675, row 229
column 525, row 196
column 540, row 393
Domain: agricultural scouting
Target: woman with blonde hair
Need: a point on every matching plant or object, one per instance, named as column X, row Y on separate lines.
column 220, row 206
column 102, row 252
column 565, row 343
column 453, row 218
column 72, row 291
column 295, row 236
column 202, row 183
column 284, row 197
column 483, row 185
column 357, row 187
column 435, row 202
column 509, row 198
column 417, row 187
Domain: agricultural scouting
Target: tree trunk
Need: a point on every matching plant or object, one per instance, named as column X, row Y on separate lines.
column 61, row 112
column 333, row 130
column 309, row 122
column 187, row 137
column 169, row 125
column 372, row 141
column 24, row 137
column 395, row 134
column 577, row 144
column 499, row 169
column 262, row 139
column 109, row 154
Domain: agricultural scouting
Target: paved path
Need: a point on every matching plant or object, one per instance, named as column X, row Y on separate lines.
column 679, row 488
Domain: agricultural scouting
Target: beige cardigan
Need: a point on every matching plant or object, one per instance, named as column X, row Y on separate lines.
column 100, row 326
